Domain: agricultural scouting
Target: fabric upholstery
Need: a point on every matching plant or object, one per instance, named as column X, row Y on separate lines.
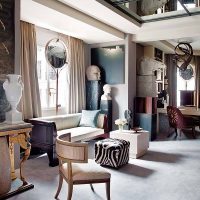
column 63, row 121
column 81, row 133
column 112, row 152
column 86, row 171
column 178, row 121
column 89, row 118
column 100, row 120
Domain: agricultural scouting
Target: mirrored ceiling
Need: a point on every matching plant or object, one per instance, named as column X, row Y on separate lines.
column 144, row 11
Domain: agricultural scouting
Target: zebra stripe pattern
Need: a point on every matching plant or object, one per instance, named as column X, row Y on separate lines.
column 112, row 152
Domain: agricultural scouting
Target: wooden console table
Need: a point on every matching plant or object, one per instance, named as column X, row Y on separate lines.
column 17, row 133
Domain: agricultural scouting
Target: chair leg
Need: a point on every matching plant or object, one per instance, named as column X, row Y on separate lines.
column 180, row 133
column 176, row 131
column 59, row 186
column 70, row 190
column 193, row 131
column 108, row 190
column 92, row 188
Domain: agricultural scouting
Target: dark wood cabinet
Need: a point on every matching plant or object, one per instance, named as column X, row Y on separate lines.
column 146, row 114
column 146, row 105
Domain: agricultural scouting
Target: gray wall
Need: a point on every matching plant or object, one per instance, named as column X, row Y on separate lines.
column 123, row 94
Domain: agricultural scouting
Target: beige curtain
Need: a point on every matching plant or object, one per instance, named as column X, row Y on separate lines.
column 76, row 74
column 197, row 80
column 31, row 106
column 172, row 79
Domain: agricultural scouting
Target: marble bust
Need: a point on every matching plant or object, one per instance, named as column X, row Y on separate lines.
column 107, row 90
column 93, row 73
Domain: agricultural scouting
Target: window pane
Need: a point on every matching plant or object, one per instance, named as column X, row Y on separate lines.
column 184, row 85
column 47, row 82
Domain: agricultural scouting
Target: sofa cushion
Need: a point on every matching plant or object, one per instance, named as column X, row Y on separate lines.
column 100, row 120
column 62, row 121
column 82, row 133
column 89, row 118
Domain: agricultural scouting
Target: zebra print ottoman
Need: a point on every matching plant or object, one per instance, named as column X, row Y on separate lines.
column 112, row 152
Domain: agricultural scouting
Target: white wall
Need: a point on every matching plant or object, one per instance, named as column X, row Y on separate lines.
column 44, row 35
column 123, row 94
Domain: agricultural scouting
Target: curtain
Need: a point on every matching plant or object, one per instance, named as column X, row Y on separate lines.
column 197, row 80
column 31, row 106
column 172, row 79
column 76, row 74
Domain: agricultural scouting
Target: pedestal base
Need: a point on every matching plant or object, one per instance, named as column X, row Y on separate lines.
column 13, row 117
column 16, row 188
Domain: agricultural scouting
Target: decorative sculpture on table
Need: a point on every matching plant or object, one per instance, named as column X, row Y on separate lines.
column 128, row 117
column 56, row 56
column 93, row 73
column 13, row 87
column 106, row 104
column 94, row 87
column 183, row 55
column 146, row 79
column 107, row 90
column 149, row 65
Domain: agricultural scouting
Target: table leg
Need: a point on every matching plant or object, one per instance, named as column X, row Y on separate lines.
column 26, row 155
column 11, row 150
column 23, row 140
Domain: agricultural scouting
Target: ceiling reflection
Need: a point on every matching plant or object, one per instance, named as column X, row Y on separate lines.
column 144, row 11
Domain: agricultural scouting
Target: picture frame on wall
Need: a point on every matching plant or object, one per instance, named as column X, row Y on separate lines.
column 158, row 54
column 111, row 61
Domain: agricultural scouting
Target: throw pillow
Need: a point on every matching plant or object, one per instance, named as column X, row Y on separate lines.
column 89, row 118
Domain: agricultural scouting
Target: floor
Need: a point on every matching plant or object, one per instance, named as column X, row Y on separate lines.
column 169, row 171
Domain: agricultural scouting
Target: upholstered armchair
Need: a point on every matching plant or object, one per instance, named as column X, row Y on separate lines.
column 179, row 122
column 74, row 166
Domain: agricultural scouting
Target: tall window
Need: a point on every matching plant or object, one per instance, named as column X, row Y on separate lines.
column 47, row 82
column 187, row 5
column 185, row 83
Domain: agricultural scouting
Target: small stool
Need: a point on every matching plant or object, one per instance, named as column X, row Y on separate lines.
column 112, row 152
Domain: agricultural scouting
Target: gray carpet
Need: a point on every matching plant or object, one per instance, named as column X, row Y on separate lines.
column 169, row 171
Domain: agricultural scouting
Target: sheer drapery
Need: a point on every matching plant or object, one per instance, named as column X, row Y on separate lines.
column 172, row 79
column 197, row 80
column 31, row 106
column 76, row 74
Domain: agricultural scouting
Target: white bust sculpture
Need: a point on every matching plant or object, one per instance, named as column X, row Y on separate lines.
column 93, row 73
column 107, row 90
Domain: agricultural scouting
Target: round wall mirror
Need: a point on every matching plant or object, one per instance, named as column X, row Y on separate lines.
column 56, row 53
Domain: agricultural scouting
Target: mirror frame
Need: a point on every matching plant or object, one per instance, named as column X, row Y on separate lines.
column 64, row 49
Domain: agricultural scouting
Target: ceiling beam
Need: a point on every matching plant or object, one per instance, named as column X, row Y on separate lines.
column 78, row 15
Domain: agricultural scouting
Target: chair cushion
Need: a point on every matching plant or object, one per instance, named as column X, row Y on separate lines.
column 86, row 171
column 89, row 118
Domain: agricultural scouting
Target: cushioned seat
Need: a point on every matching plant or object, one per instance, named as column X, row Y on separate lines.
column 85, row 171
column 82, row 133
column 112, row 152
column 74, row 167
